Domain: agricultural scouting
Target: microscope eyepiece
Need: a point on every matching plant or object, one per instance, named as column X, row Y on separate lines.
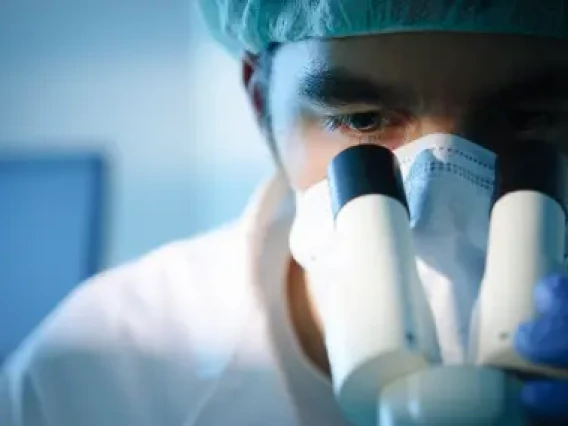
column 532, row 166
column 364, row 170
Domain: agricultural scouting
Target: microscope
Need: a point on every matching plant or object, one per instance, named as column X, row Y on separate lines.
column 380, row 330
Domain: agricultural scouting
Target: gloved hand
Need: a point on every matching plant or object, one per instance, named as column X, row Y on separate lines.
column 545, row 341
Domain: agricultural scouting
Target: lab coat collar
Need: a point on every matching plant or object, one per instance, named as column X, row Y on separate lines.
column 272, row 200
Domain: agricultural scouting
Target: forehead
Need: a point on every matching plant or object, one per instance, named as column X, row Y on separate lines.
column 457, row 66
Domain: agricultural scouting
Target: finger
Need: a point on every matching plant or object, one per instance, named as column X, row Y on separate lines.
column 544, row 341
column 547, row 400
column 551, row 294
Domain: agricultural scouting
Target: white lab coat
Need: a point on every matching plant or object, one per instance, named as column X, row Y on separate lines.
column 193, row 334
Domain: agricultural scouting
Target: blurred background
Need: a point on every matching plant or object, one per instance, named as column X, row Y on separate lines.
column 123, row 126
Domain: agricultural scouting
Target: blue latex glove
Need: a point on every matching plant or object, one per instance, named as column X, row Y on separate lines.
column 545, row 341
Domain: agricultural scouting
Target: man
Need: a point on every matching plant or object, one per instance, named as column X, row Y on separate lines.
column 226, row 329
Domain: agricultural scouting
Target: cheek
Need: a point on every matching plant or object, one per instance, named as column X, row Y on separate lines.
column 306, row 151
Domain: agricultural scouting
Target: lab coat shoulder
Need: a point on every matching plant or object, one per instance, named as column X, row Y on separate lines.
column 141, row 344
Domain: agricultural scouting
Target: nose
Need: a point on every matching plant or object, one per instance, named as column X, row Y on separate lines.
column 426, row 125
column 457, row 122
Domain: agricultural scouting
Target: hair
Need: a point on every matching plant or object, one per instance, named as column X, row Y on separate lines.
column 265, row 63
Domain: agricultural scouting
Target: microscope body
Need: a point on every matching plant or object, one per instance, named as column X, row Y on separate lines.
column 526, row 243
column 374, row 334
column 523, row 249
column 380, row 331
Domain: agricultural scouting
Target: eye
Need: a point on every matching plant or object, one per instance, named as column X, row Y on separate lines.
column 365, row 122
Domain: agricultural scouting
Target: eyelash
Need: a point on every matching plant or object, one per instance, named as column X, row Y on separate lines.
column 390, row 124
column 346, row 124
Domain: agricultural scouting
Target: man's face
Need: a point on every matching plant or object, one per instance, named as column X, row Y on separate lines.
column 326, row 95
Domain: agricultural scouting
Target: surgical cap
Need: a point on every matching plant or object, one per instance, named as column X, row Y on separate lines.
column 252, row 25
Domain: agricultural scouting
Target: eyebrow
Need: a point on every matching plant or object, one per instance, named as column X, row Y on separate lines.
column 336, row 88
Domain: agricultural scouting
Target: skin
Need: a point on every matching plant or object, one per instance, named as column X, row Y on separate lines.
column 492, row 89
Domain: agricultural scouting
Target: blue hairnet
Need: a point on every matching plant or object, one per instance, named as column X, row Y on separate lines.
column 252, row 25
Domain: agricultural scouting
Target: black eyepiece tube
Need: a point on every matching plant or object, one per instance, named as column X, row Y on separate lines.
column 364, row 170
column 532, row 166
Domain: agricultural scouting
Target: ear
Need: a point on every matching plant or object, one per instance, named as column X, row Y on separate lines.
column 251, row 80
